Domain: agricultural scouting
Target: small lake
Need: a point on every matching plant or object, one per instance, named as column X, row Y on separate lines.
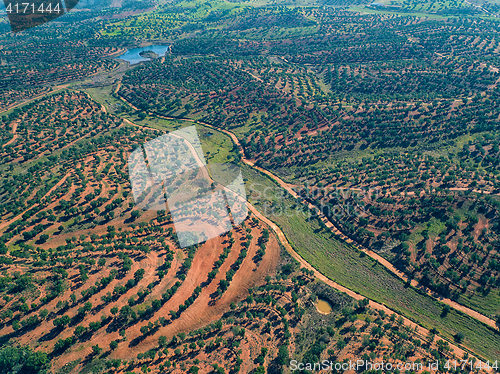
column 133, row 56
column 323, row 307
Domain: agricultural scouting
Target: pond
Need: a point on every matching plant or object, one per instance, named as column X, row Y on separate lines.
column 323, row 307
column 133, row 55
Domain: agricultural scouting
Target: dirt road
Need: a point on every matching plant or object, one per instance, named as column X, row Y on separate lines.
column 289, row 188
column 422, row 332
column 459, row 352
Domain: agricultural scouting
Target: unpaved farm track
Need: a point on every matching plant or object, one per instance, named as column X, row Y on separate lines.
column 281, row 237
column 422, row 332
column 459, row 352
column 289, row 188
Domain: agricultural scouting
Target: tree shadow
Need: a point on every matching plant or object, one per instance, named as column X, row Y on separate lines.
column 52, row 334
column 137, row 340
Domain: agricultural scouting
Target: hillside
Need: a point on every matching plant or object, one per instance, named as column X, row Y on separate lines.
column 366, row 135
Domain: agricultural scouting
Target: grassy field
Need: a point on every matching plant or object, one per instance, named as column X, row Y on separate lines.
column 217, row 146
column 486, row 305
column 103, row 96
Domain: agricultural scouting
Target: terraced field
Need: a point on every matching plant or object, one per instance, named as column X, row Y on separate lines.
column 367, row 135
column 84, row 267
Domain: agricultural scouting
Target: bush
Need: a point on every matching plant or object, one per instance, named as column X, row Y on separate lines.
column 445, row 311
column 96, row 349
column 459, row 337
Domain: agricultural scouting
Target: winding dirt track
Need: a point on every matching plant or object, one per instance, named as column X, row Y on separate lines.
column 289, row 188
column 422, row 332
column 481, row 317
column 282, row 238
column 458, row 351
